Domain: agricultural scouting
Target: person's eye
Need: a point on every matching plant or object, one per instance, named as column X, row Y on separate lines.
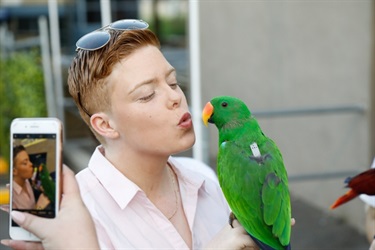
column 147, row 97
column 174, row 85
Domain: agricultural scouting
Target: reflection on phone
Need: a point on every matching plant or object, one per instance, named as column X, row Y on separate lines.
column 34, row 185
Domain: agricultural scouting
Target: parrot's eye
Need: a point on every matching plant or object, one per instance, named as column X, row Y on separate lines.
column 224, row 104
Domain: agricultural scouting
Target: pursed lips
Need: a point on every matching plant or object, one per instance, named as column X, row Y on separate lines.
column 185, row 120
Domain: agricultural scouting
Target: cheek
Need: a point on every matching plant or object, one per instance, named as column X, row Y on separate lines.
column 148, row 126
column 23, row 172
column 136, row 122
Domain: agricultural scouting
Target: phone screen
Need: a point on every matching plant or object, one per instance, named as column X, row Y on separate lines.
column 34, row 174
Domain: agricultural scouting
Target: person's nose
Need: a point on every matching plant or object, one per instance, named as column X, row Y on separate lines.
column 174, row 98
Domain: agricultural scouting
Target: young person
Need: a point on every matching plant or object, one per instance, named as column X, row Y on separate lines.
column 23, row 192
column 138, row 195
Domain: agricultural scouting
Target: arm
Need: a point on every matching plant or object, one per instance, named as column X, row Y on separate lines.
column 59, row 233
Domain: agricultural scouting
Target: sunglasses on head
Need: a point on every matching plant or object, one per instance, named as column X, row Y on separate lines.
column 100, row 37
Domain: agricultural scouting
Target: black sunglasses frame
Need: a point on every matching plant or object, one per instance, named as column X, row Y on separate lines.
column 83, row 107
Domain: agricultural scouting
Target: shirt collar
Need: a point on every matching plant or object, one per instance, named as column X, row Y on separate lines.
column 117, row 185
column 124, row 190
column 17, row 188
column 187, row 176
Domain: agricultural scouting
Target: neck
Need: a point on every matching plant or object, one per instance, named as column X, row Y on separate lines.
column 147, row 171
column 20, row 181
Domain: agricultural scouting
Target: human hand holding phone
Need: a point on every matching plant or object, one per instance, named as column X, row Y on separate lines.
column 73, row 227
column 36, row 160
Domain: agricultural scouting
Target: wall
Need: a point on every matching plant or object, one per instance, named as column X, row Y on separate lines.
column 292, row 56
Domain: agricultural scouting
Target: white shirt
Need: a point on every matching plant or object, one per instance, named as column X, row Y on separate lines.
column 23, row 199
column 126, row 219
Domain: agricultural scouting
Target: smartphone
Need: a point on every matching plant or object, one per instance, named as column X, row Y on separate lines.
column 36, row 163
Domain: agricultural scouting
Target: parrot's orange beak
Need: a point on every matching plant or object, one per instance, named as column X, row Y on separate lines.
column 207, row 112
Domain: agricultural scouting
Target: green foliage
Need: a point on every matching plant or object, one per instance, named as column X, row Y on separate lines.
column 175, row 26
column 170, row 28
column 21, row 92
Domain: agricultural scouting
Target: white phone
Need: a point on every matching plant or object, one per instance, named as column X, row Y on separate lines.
column 36, row 163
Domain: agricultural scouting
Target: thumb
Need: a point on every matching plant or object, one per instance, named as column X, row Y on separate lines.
column 30, row 222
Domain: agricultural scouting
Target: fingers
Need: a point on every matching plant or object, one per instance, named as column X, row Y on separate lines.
column 293, row 221
column 238, row 226
column 245, row 239
column 5, row 208
column 38, row 225
column 22, row 245
column 235, row 223
column 248, row 243
column 30, row 222
column 70, row 185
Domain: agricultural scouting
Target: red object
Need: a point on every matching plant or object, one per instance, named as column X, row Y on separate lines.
column 363, row 183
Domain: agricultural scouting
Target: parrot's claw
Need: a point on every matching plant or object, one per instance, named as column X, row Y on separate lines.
column 232, row 217
column 260, row 159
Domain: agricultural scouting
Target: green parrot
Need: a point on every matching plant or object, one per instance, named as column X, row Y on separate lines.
column 251, row 173
column 49, row 187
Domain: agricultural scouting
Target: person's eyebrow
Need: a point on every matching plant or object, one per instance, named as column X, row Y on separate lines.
column 171, row 71
column 150, row 81
column 145, row 82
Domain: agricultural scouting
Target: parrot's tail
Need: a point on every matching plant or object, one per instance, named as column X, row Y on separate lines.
column 345, row 198
column 264, row 246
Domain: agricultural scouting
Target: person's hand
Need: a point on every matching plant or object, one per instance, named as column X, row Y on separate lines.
column 73, row 227
column 235, row 238
column 372, row 247
column 232, row 238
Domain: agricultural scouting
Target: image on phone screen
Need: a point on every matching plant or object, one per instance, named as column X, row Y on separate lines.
column 33, row 174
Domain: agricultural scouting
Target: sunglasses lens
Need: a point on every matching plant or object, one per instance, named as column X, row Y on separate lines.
column 129, row 24
column 93, row 41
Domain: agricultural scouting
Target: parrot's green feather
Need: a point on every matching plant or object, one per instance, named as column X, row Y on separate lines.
column 271, row 199
column 48, row 184
column 256, row 187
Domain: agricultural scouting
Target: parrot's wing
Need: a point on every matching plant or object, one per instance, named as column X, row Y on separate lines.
column 364, row 183
column 48, row 184
column 275, row 194
column 276, row 207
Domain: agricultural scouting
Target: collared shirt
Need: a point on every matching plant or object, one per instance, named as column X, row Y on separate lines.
column 23, row 199
column 126, row 219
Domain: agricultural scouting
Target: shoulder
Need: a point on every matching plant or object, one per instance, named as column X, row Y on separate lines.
column 86, row 180
column 98, row 166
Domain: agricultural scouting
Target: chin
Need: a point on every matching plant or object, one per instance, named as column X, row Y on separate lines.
column 185, row 143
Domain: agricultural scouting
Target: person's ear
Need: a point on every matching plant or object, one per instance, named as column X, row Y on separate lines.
column 102, row 125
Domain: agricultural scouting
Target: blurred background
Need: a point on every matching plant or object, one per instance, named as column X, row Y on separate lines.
column 305, row 69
